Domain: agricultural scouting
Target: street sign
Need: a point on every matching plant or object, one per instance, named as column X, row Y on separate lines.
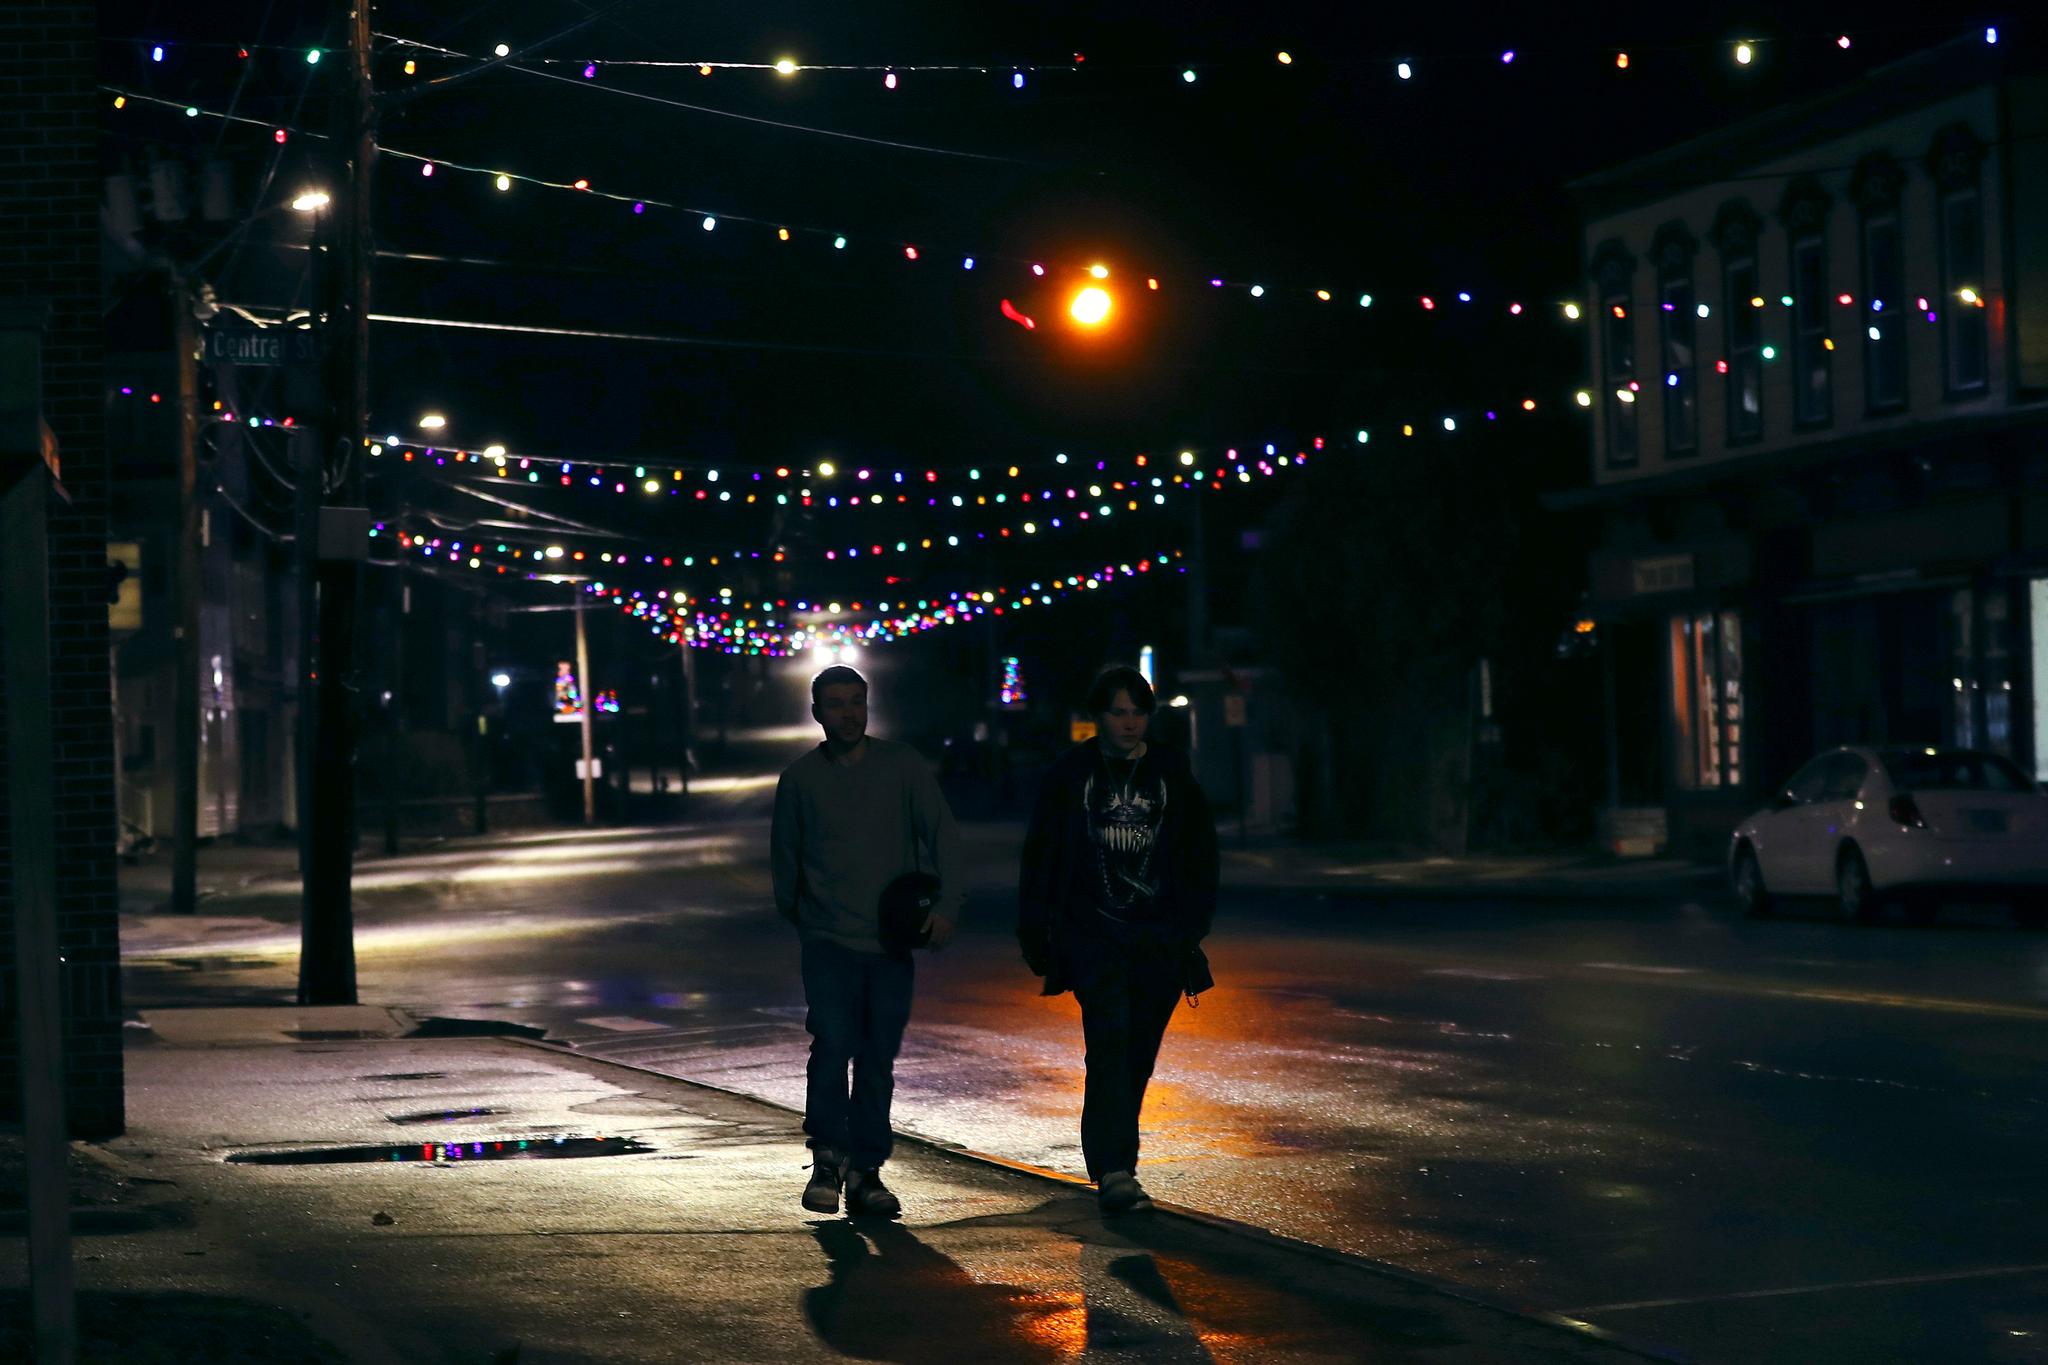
column 240, row 343
column 1080, row 729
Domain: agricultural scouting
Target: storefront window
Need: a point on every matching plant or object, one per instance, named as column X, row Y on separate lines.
column 1962, row 721
column 1980, row 668
column 1995, row 672
column 1706, row 698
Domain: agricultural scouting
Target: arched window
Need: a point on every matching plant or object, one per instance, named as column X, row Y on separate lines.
column 1742, row 312
column 1673, row 250
column 1882, row 308
column 1954, row 162
column 1804, row 212
column 1613, row 272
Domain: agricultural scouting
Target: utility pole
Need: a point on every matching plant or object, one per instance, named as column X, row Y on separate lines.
column 327, row 964
column 589, row 705
column 1198, row 581
column 185, row 612
column 689, row 712
column 481, row 754
column 394, row 717
column 38, row 956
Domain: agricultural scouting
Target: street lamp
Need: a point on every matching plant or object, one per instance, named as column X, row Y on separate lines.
column 501, row 681
column 432, row 421
column 1090, row 306
column 310, row 201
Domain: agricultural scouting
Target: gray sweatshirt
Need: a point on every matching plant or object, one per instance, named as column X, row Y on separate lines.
column 844, row 831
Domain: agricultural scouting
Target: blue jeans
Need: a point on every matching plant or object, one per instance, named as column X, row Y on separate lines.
column 858, row 1006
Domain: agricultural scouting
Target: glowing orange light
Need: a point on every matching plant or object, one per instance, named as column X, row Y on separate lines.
column 1090, row 306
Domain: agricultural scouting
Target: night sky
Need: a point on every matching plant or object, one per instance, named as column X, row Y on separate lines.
column 1325, row 172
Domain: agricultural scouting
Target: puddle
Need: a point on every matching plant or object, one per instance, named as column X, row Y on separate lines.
column 511, row 1149
column 441, row 1115
column 438, row 1026
column 406, row 1076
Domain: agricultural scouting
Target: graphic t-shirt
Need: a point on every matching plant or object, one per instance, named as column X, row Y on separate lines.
column 1126, row 804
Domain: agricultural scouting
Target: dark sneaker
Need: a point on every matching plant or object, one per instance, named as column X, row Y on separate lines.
column 868, row 1197
column 828, row 1173
column 1119, row 1193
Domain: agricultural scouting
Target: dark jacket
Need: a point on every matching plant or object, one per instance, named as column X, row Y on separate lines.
column 1052, row 891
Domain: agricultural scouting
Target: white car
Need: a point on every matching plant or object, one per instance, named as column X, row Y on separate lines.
column 1914, row 825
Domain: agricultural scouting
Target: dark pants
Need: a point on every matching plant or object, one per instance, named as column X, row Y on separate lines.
column 859, row 1005
column 1128, row 981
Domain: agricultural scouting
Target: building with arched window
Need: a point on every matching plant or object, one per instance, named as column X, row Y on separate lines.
column 1823, row 508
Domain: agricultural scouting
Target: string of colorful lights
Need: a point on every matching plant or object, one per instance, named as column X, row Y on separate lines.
column 1742, row 52
column 1446, row 303
column 1104, row 500
column 1090, row 310
column 1403, row 66
column 1872, row 315
column 784, row 628
column 866, row 485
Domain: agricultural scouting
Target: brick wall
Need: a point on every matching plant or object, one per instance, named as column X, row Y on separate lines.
column 49, row 249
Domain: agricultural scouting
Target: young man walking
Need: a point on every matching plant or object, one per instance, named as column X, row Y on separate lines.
column 1117, row 892
column 851, row 816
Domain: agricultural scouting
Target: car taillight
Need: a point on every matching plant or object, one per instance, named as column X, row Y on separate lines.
column 1905, row 811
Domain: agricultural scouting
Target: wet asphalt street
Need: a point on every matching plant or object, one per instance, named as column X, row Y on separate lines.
column 1782, row 1141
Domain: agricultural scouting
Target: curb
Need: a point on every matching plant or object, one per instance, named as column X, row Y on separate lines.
column 1584, row 1331
column 159, row 1203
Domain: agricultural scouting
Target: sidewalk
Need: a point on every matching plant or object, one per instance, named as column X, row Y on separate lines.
column 679, row 1237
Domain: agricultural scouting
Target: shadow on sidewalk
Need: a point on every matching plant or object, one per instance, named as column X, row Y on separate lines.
column 172, row 1328
column 893, row 1298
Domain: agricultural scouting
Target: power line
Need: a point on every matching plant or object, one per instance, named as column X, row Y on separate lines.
column 668, row 103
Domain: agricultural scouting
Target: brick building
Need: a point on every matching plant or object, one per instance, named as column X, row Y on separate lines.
column 50, row 265
column 1819, row 341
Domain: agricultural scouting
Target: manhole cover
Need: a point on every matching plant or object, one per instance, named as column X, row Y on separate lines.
column 511, row 1149
column 441, row 1115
